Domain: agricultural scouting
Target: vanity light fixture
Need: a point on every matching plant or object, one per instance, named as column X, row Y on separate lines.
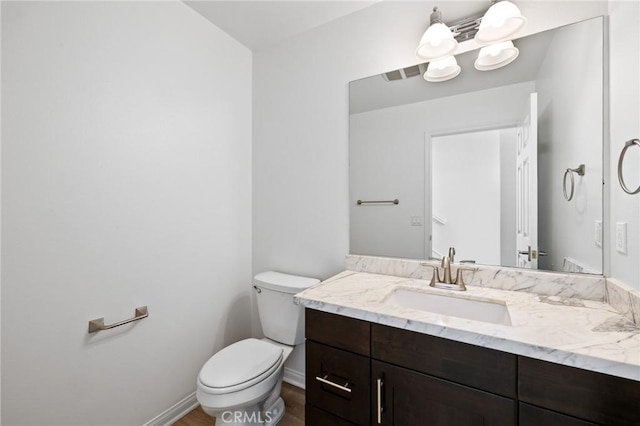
column 496, row 56
column 437, row 41
column 500, row 23
column 494, row 30
column 442, row 69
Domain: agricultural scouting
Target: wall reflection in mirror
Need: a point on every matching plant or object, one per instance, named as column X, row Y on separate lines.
column 477, row 163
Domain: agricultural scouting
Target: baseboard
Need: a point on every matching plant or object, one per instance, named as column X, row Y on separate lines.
column 175, row 412
column 294, row 377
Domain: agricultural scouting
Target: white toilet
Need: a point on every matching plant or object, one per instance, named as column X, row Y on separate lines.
column 240, row 385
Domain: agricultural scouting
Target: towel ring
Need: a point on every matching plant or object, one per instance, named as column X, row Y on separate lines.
column 580, row 171
column 627, row 145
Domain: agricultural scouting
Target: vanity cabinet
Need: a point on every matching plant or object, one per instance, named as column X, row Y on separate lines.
column 470, row 365
column 592, row 396
column 339, row 382
column 405, row 397
column 360, row 373
column 417, row 376
column 338, row 370
column 529, row 415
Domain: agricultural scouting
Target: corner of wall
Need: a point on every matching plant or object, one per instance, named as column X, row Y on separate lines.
column 624, row 110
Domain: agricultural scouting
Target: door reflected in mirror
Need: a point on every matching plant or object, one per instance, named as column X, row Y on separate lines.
column 476, row 154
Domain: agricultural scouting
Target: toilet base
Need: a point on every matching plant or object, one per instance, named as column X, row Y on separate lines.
column 251, row 416
column 276, row 412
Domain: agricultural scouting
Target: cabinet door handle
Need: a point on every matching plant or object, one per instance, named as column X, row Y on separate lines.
column 380, row 383
column 335, row 385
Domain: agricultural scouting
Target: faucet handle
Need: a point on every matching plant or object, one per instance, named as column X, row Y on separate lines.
column 459, row 279
column 435, row 278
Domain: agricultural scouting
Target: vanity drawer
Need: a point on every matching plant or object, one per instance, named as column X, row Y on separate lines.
column 470, row 365
column 592, row 396
column 335, row 330
column 326, row 365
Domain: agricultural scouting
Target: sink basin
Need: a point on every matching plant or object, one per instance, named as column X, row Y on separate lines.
column 473, row 309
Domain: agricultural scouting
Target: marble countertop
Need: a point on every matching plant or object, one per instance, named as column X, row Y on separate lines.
column 580, row 333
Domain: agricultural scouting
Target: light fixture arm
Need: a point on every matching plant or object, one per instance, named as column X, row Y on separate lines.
column 436, row 16
column 437, row 41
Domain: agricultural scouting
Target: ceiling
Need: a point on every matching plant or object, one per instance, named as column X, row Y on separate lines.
column 258, row 24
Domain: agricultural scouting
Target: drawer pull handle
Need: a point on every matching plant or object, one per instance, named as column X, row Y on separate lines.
column 335, row 385
column 380, row 383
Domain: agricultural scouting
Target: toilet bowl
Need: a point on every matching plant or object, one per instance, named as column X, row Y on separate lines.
column 240, row 385
column 240, row 379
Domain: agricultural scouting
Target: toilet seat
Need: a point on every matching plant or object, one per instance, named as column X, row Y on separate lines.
column 240, row 366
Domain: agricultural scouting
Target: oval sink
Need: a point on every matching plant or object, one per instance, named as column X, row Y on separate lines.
column 474, row 309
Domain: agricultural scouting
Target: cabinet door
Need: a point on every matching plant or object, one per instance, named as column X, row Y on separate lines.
column 403, row 397
column 316, row 417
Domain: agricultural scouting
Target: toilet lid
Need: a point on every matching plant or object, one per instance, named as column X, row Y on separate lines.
column 240, row 362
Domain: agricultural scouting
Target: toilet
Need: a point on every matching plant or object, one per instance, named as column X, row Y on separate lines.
column 240, row 384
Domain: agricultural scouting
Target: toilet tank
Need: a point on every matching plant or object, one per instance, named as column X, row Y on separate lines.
column 281, row 319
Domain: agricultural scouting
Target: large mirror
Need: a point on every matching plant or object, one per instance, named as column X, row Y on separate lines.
column 490, row 162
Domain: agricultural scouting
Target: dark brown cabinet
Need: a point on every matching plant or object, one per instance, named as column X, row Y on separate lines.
column 528, row 415
column 470, row 365
column 338, row 382
column 406, row 397
column 338, row 370
column 359, row 373
column 595, row 397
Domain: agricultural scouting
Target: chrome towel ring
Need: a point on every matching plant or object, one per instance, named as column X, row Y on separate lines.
column 580, row 171
column 627, row 145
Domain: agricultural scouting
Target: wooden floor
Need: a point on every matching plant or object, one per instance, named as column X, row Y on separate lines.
column 294, row 412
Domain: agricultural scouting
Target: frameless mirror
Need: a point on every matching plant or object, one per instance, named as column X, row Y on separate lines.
column 489, row 162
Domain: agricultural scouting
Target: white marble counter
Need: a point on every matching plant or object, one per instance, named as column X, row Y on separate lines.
column 587, row 334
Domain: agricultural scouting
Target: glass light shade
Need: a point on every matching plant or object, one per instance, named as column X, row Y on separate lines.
column 501, row 22
column 437, row 42
column 442, row 69
column 496, row 56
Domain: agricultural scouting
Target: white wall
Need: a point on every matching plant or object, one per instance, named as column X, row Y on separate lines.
column 624, row 84
column 300, row 106
column 570, row 133
column 126, row 164
column 0, row 215
column 466, row 177
column 387, row 160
